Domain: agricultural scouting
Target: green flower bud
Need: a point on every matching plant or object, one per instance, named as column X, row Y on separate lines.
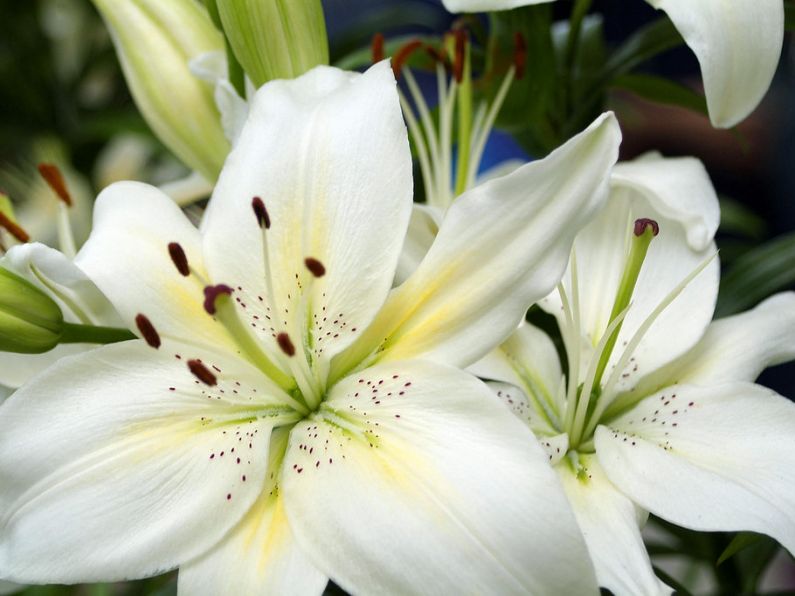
column 30, row 321
column 155, row 40
column 275, row 39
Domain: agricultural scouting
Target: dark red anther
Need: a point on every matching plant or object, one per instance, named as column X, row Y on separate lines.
column 148, row 331
column 377, row 47
column 263, row 219
column 53, row 177
column 315, row 267
column 13, row 228
column 202, row 373
column 402, row 56
column 211, row 294
column 286, row 344
column 460, row 54
column 437, row 55
column 642, row 224
column 519, row 54
column 179, row 258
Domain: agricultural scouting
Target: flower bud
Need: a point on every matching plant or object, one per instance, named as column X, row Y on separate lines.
column 30, row 321
column 154, row 41
column 274, row 39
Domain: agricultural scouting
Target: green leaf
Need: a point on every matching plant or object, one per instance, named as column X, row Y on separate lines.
column 661, row 90
column 789, row 16
column 740, row 542
column 758, row 274
column 529, row 96
column 649, row 41
column 736, row 218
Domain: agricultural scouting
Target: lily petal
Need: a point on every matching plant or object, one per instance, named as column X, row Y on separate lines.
column 738, row 45
column 261, row 550
column 644, row 190
column 738, row 348
column 609, row 522
column 455, row 6
column 146, row 476
column 718, row 458
column 133, row 226
column 501, row 246
column 423, row 227
column 328, row 155
column 429, row 485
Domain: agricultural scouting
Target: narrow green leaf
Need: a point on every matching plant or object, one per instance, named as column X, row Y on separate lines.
column 736, row 218
column 661, row 90
column 649, row 41
column 740, row 542
column 758, row 274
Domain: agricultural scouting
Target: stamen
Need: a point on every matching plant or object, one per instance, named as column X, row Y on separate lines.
column 399, row 60
column 202, row 373
column 179, row 258
column 263, row 219
column 286, row 344
column 437, row 55
column 519, row 54
column 377, row 47
column 212, row 293
column 13, row 228
column 459, row 54
column 148, row 331
column 53, row 177
column 315, row 267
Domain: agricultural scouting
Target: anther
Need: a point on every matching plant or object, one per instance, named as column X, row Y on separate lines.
column 642, row 224
column 377, row 47
column 148, row 331
column 460, row 54
column 436, row 55
column 519, row 54
column 202, row 373
column 399, row 60
column 53, row 177
column 315, row 267
column 212, row 293
column 13, row 228
column 179, row 258
column 286, row 344
column 263, row 219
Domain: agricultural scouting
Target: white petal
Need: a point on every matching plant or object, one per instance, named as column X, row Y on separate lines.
column 328, row 154
column 609, row 523
column 487, row 5
column 679, row 188
column 108, row 474
column 740, row 347
column 10, row 588
column 127, row 257
column 423, row 227
column 737, row 43
column 602, row 249
column 532, row 413
column 502, row 246
column 413, row 478
column 260, row 556
column 233, row 109
column 718, row 458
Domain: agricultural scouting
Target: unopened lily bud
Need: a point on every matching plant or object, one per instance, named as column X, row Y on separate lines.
column 30, row 321
column 274, row 39
column 155, row 41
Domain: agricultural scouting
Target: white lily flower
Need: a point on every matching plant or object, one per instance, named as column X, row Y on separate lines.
column 737, row 42
column 663, row 418
column 316, row 425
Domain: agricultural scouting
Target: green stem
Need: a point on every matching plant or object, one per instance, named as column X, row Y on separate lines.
column 464, row 123
column 74, row 333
